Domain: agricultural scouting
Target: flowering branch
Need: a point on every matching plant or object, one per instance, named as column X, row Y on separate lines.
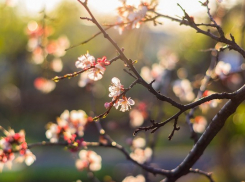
column 111, row 104
column 70, row 75
column 203, row 86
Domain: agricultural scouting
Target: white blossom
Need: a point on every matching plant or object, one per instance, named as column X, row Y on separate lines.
column 85, row 61
column 115, row 88
column 124, row 103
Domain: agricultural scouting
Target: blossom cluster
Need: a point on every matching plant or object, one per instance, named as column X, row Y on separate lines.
column 95, row 68
column 140, row 153
column 115, row 90
column 40, row 47
column 14, row 143
column 70, row 125
column 89, row 160
column 131, row 16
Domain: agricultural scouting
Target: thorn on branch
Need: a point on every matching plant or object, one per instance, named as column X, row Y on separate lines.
column 86, row 18
column 152, row 82
column 232, row 38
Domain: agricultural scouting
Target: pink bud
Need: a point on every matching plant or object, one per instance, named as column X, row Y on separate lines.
column 107, row 105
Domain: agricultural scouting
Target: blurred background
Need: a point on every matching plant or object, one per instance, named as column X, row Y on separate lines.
column 33, row 37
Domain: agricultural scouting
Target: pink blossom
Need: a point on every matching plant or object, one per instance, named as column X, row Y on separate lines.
column 11, row 143
column 88, row 160
column 69, row 125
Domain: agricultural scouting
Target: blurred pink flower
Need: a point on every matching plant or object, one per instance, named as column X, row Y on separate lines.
column 88, row 160
column 199, row 124
column 44, row 85
column 69, row 125
column 14, row 142
column 183, row 90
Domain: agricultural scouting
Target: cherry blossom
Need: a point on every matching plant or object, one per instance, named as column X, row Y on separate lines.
column 88, row 160
column 125, row 103
column 14, row 142
column 138, row 178
column 97, row 68
column 115, row 88
column 130, row 16
column 85, row 61
column 96, row 73
column 69, row 124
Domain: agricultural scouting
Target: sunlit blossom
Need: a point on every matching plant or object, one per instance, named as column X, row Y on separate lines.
column 125, row 104
column 96, row 73
column 69, row 125
column 88, row 160
column 115, row 88
column 14, row 142
column 85, row 61
column 130, row 16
